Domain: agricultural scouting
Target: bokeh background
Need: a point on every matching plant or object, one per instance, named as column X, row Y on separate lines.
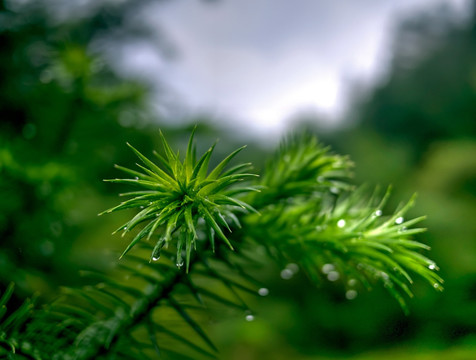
column 392, row 84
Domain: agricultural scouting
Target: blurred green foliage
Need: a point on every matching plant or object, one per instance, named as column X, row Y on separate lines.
column 65, row 115
column 61, row 108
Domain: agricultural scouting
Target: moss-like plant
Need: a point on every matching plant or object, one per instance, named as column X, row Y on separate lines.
column 302, row 209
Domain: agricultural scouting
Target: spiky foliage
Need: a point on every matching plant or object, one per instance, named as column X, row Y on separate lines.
column 319, row 221
column 303, row 167
column 309, row 214
column 11, row 324
column 132, row 313
column 350, row 240
column 179, row 194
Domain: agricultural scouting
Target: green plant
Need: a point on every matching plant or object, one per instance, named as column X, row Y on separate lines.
column 303, row 210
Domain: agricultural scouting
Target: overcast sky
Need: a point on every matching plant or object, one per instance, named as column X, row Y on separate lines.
column 257, row 62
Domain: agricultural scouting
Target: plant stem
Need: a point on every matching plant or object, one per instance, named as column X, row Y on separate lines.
column 140, row 310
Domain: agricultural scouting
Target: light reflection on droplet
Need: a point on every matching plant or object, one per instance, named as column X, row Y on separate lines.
column 327, row 268
column 286, row 274
column 399, row 220
column 341, row 223
column 293, row 267
column 378, row 213
column 432, row 266
column 334, row 190
column 333, row 276
column 249, row 317
column 263, row 292
column 155, row 257
column 351, row 294
column 136, row 178
column 179, row 264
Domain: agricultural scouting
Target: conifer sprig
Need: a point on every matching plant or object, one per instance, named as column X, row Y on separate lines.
column 302, row 167
column 178, row 195
column 11, row 325
column 310, row 215
column 350, row 240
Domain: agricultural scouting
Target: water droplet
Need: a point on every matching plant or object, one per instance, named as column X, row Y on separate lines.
column 125, row 227
column 179, row 264
column 136, row 178
column 384, row 275
column 157, row 215
column 156, row 257
column 341, row 223
column 378, row 213
column 402, row 229
column 263, row 292
column 333, row 276
column 293, row 267
column 436, row 285
column 249, row 317
column 351, row 294
column 352, row 282
column 327, row 268
column 432, row 266
column 399, row 220
column 286, row 274
column 334, row 190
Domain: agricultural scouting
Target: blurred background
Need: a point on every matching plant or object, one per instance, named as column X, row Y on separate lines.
column 392, row 84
